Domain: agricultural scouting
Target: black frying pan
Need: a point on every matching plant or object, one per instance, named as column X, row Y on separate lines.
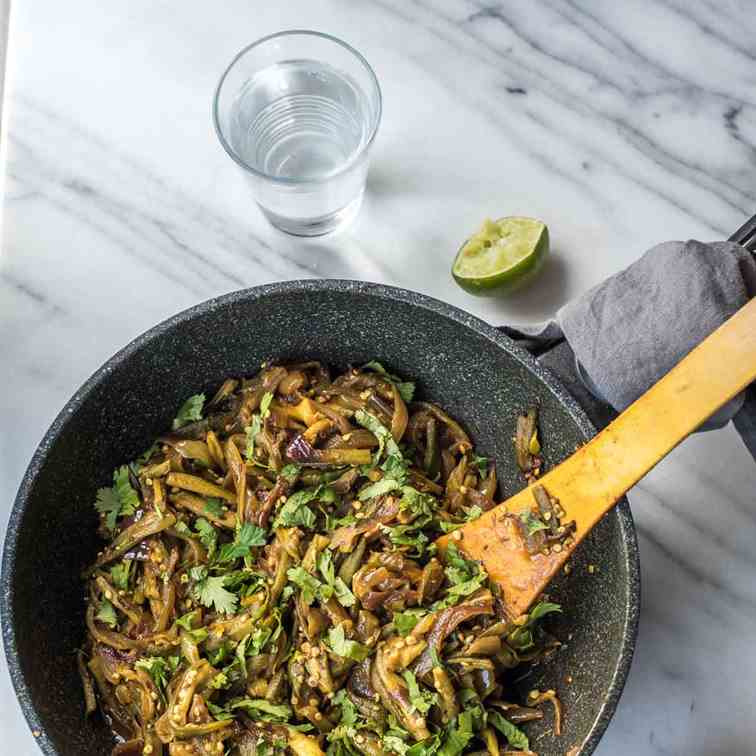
column 471, row 369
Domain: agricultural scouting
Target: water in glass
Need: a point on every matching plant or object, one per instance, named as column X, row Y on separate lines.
column 303, row 120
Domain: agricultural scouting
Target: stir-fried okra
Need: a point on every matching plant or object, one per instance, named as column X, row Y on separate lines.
column 270, row 582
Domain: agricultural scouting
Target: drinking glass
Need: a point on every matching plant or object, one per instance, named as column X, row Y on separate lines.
column 298, row 111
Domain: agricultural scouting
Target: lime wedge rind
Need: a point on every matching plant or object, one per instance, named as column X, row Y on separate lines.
column 502, row 256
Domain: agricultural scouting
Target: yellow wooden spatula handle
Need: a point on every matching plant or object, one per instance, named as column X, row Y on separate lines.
column 591, row 481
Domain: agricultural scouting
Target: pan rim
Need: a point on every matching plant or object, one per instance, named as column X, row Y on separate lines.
column 380, row 291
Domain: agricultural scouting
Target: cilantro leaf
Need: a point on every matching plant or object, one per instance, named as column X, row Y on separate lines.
column 265, row 404
column 252, row 431
column 532, row 523
column 126, row 494
column 108, row 504
column 307, row 583
column 406, row 388
column 295, row 511
column 220, row 713
column 481, row 463
column 421, row 700
column 118, row 501
column 209, row 591
column 247, row 537
column 290, row 471
column 190, row 411
column 208, row 535
column 410, row 535
column 342, row 646
column 213, row 507
column 458, row 569
column 159, row 668
column 405, row 621
column 394, row 744
column 187, row 620
column 465, row 576
column 220, row 681
column 120, row 575
column 541, row 609
column 328, row 570
column 270, row 712
column 107, row 614
column 256, row 426
column 383, row 434
column 458, row 734
column 380, row 487
column 420, row 504
column 514, row 735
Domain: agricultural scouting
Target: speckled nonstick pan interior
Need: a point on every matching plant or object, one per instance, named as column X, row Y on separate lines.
column 472, row 370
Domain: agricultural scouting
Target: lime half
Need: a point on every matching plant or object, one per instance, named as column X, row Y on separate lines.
column 502, row 256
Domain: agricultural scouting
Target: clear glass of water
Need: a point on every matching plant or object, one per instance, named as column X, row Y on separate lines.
column 298, row 111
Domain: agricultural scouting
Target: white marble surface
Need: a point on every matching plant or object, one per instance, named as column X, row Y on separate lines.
column 620, row 124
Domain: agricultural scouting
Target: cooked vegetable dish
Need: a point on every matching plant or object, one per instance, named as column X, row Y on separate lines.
column 270, row 582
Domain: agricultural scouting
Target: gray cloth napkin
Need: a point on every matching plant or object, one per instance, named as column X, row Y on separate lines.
column 616, row 340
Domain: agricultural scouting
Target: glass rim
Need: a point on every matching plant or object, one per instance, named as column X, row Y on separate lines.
column 290, row 179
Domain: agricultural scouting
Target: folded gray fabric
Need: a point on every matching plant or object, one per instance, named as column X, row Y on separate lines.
column 616, row 340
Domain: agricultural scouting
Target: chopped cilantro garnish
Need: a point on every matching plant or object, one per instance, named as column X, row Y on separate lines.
column 119, row 501
column 296, row 513
column 420, row 699
column 406, row 388
column 159, row 668
column 405, row 621
column 381, row 432
column 260, row 708
column 190, row 411
column 208, row 535
column 210, row 591
column 107, row 614
column 247, row 537
column 481, row 463
column 120, row 575
column 342, row 646
column 515, row 736
column 532, row 523
column 213, row 507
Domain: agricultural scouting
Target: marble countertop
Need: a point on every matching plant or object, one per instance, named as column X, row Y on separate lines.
column 620, row 124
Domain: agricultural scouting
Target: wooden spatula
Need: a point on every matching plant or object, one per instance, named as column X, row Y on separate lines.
column 597, row 475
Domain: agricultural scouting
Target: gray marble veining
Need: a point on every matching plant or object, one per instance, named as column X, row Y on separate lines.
column 619, row 124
